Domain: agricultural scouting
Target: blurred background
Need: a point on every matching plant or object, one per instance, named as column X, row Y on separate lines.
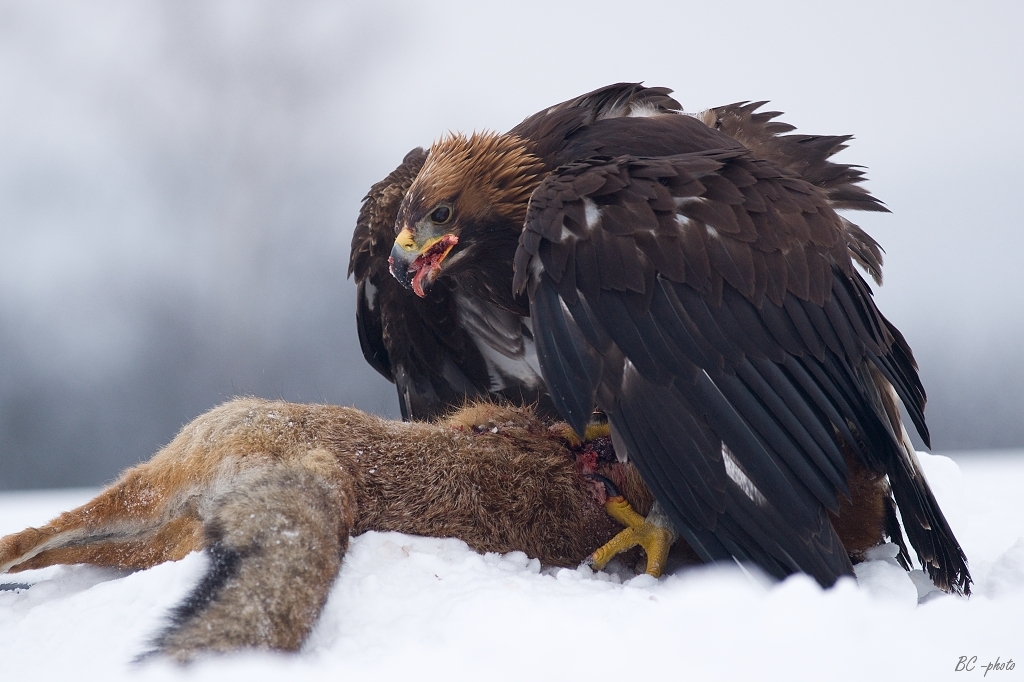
column 179, row 181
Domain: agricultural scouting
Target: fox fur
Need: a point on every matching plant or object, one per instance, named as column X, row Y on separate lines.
column 274, row 490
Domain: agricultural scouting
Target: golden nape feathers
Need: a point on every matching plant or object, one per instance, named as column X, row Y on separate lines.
column 483, row 175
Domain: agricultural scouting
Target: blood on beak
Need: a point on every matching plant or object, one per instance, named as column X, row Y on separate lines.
column 417, row 268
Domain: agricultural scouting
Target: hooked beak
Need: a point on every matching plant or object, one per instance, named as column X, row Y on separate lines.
column 416, row 266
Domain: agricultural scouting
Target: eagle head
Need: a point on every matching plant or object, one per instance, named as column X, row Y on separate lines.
column 465, row 209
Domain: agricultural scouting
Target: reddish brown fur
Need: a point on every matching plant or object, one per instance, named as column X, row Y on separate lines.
column 172, row 541
column 274, row 490
column 860, row 522
column 516, row 489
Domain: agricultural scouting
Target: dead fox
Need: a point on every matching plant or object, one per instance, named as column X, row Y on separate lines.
column 274, row 490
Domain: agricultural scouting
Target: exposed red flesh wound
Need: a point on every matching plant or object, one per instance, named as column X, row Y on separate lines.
column 428, row 264
column 587, row 460
column 600, row 492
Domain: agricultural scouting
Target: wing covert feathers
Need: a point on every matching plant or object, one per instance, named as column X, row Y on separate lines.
column 707, row 302
column 702, row 218
column 807, row 156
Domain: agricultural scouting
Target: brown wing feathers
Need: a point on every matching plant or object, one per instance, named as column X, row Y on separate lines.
column 371, row 243
column 687, row 215
column 807, row 156
column 727, row 283
column 375, row 226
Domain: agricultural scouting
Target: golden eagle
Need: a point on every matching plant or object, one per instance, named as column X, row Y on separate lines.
column 689, row 276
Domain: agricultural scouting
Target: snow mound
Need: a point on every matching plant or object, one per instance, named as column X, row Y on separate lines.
column 418, row 608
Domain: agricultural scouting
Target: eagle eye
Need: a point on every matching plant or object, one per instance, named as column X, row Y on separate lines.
column 441, row 215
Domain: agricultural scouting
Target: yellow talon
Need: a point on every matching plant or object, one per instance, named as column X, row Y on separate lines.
column 594, row 430
column 655, row 540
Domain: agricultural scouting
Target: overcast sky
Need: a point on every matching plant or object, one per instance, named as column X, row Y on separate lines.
column 179, row 181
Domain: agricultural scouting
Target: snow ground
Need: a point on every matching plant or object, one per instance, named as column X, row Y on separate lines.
column 418, row 608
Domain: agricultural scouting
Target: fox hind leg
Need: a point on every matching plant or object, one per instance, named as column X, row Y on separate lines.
column 128, row 525
column 171, row 541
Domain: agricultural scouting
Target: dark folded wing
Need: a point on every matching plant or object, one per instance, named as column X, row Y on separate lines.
column 809, row 156
column 707, row 302
column 548, row 129
column 438, row 350
column 372, row 239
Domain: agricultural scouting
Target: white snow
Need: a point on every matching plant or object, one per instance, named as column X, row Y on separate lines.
column 422, row 609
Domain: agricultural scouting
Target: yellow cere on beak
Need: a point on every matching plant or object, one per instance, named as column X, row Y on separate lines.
column 406, row 241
